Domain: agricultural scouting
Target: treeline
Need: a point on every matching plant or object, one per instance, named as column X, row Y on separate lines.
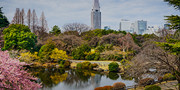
column 37, row 26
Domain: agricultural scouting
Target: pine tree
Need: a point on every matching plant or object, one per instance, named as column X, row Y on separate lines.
column 3, row 19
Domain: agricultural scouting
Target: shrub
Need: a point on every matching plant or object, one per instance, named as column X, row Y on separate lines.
column 119, row 86
column 168, row 76
column 93, row 66
column 46, row 51
column 29, row 57
column 94, row 56
column 18, row 37
column 99, row 88
column 100, row 48
column 152, row 87
column 67, row 64
column 104, row 88
column 146, row 81
column 160, row 79
column 113, row 67
column 108, row 87
column 86, row 65
column 79, row 66
column 80, row 52
column 58, row 55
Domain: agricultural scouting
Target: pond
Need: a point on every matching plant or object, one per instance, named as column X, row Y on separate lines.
column 60, row 79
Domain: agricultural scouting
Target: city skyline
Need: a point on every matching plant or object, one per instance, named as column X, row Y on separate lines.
column 68, row 11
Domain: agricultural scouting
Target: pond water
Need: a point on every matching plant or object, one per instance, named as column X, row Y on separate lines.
column 60, row 79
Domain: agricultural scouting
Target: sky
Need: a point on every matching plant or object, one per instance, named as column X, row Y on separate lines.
column 60, row 12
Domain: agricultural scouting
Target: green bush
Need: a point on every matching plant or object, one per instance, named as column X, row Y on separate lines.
column 152, row 87
column 86, row 65
column 93, row 66
column 100, row 48
column 67, row 64
column 79, row 53
column 46, row 51
column 94, row 56
column 79, row 66
column 168, row 76
column 19, row 37
column 146, row 81
column 113, row 67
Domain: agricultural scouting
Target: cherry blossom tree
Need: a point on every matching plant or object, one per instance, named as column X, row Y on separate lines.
column 14, row 76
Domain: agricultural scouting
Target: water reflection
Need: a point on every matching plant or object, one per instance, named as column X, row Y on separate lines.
column 56, row 79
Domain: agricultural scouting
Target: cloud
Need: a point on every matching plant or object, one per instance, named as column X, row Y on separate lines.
column 60, row 12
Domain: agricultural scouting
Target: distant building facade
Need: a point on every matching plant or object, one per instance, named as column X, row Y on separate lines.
column 126, row 25
column 137, row 27
column 140, row 26
column 96, row 16
column 152, row 30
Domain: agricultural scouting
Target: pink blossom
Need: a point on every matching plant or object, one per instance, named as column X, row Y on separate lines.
column 13, row 75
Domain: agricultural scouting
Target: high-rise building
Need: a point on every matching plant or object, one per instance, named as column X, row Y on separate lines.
column 140, row 26
column 126, row 25
column 96, row 16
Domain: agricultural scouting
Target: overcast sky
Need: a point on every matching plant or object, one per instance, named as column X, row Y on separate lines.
column 60, row 12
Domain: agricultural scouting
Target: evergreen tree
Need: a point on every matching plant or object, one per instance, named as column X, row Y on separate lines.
column 56, row 30
column 3, row 19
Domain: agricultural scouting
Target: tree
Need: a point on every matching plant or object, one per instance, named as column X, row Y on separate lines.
column 174, row 3
column 46, row 51
column 16, row 18
column 34, row 21
column 42, row 28
column 154, row 57
column 3, row 19
column 43, row 23
column 19, row 17
column 14, row 76
column 22, row 17
column 18, row 36
column 29, row 18
column 79, row 27
column 56, row 30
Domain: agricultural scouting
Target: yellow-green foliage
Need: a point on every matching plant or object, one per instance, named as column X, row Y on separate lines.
column 168, row 76
column 58, row 55
column 29, row 57
column 152, row 87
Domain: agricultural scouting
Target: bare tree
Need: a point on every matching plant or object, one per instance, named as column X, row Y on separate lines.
column 34, row 21
column 79, row 27
column 16, row 18
column 22, row 15
column 154, row 57
column 29, row 18
column 43, row 23
column 127, row 43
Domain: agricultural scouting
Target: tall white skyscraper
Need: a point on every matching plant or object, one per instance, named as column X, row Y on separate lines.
column 96, row 16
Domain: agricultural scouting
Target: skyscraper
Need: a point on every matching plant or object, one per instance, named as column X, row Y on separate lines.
column 96, row 16
column 140, row 26
column 126, row 25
